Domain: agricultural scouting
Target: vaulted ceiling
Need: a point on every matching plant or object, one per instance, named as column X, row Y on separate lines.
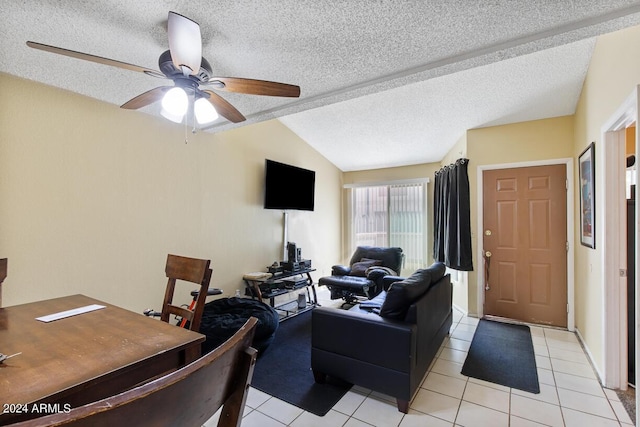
column 383, row 83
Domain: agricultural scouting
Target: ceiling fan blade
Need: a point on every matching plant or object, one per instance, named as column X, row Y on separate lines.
column 223, row 107
column 256, row 87
column 147, row 98
column 185, row 43
column 94, row 58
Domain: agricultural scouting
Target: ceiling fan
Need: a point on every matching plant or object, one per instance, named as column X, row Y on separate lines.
column 183, row 63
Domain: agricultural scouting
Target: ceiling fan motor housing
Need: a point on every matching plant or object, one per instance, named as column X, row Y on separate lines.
column 165, row 63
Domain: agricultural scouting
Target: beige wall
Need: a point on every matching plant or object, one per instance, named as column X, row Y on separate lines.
column 613, row 74
column 509, row 144
column 459, row 150
column 94, row 197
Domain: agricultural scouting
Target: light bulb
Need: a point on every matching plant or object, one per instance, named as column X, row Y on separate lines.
column 204, row 111
column 175, row 103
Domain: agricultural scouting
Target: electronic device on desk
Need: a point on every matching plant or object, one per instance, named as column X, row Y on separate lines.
column 293, row 266
column 294, row 253
column 294, row 283
column 295, row 262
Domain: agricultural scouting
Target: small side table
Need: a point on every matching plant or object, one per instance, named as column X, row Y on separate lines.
column 263, row 288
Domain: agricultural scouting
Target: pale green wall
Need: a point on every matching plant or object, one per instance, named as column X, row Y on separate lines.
column 93, row 198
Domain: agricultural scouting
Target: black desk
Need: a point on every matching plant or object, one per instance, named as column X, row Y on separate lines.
column 270, row 288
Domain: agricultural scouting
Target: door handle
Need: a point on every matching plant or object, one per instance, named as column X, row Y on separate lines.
column 487, row 264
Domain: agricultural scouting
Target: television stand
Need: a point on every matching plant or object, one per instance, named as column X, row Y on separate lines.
column 282, row 284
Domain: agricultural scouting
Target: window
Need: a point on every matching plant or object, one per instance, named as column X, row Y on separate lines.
column 392, row 215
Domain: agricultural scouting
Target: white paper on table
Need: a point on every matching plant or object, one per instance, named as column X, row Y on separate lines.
column 69, row 313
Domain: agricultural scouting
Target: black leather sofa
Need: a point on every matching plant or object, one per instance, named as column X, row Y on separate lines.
column 363, row 276
column 389, row 349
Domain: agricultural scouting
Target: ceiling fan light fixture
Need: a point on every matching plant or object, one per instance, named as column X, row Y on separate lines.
column 183, row 63
column 173, row 117
column 204, row 111
column 175, row 104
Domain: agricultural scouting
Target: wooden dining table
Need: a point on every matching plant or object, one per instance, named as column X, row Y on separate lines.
column 79, row 359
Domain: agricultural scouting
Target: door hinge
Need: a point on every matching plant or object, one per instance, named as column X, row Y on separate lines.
column 566, row 184
column 623, row 272
column 567, row 246
column 567, row 308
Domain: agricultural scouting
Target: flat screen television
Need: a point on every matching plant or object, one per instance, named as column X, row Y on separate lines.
column 288, row 187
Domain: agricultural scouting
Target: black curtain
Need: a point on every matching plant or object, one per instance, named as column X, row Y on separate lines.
column 451, row 217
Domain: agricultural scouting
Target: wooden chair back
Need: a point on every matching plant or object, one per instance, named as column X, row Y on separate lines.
column 187, row 397
column 3, row 274
column 191, row 270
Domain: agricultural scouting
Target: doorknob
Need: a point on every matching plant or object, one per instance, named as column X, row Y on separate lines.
column 487, row 232
column 487, row 254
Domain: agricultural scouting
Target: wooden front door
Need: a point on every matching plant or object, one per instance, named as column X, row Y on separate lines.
column 525, row 244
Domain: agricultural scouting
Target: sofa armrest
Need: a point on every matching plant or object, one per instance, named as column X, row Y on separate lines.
column 340, row 270
column 387, row 281
column 362, row 336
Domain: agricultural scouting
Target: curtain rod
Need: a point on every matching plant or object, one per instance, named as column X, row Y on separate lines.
column 460, row 161
column 390, row 182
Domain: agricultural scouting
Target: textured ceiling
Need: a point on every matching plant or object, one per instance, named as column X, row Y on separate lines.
column 383, row 83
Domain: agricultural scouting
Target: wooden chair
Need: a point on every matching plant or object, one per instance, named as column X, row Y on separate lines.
column 190, row 270
column 187, row 397
column 3, row 274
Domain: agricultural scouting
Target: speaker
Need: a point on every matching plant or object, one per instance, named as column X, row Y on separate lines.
column 292, row 252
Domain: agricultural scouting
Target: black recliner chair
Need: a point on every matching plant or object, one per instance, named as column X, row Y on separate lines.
column 363, row 276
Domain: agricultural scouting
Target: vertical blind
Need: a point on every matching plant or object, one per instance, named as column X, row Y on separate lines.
column 392, row 215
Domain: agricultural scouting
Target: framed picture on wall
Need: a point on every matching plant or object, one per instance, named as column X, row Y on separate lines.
column 587, row 170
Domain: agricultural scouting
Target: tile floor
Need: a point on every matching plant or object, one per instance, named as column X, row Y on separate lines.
column 570, row 394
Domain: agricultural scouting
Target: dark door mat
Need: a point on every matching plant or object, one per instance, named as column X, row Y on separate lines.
column 502, row 353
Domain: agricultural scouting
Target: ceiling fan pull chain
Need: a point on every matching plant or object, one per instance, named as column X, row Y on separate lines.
column 186, row 133
column 193, row 112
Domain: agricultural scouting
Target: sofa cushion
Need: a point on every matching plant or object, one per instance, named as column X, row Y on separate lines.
column 437, row 270
column 360, row 268
column 405, row 292
column 374, row 303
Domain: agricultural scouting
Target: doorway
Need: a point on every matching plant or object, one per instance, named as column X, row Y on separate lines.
column 525, row 244
column 568, row 164
column 616, row 259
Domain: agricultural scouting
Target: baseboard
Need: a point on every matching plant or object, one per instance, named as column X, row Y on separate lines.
column 589, row 356
column 463, row 312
